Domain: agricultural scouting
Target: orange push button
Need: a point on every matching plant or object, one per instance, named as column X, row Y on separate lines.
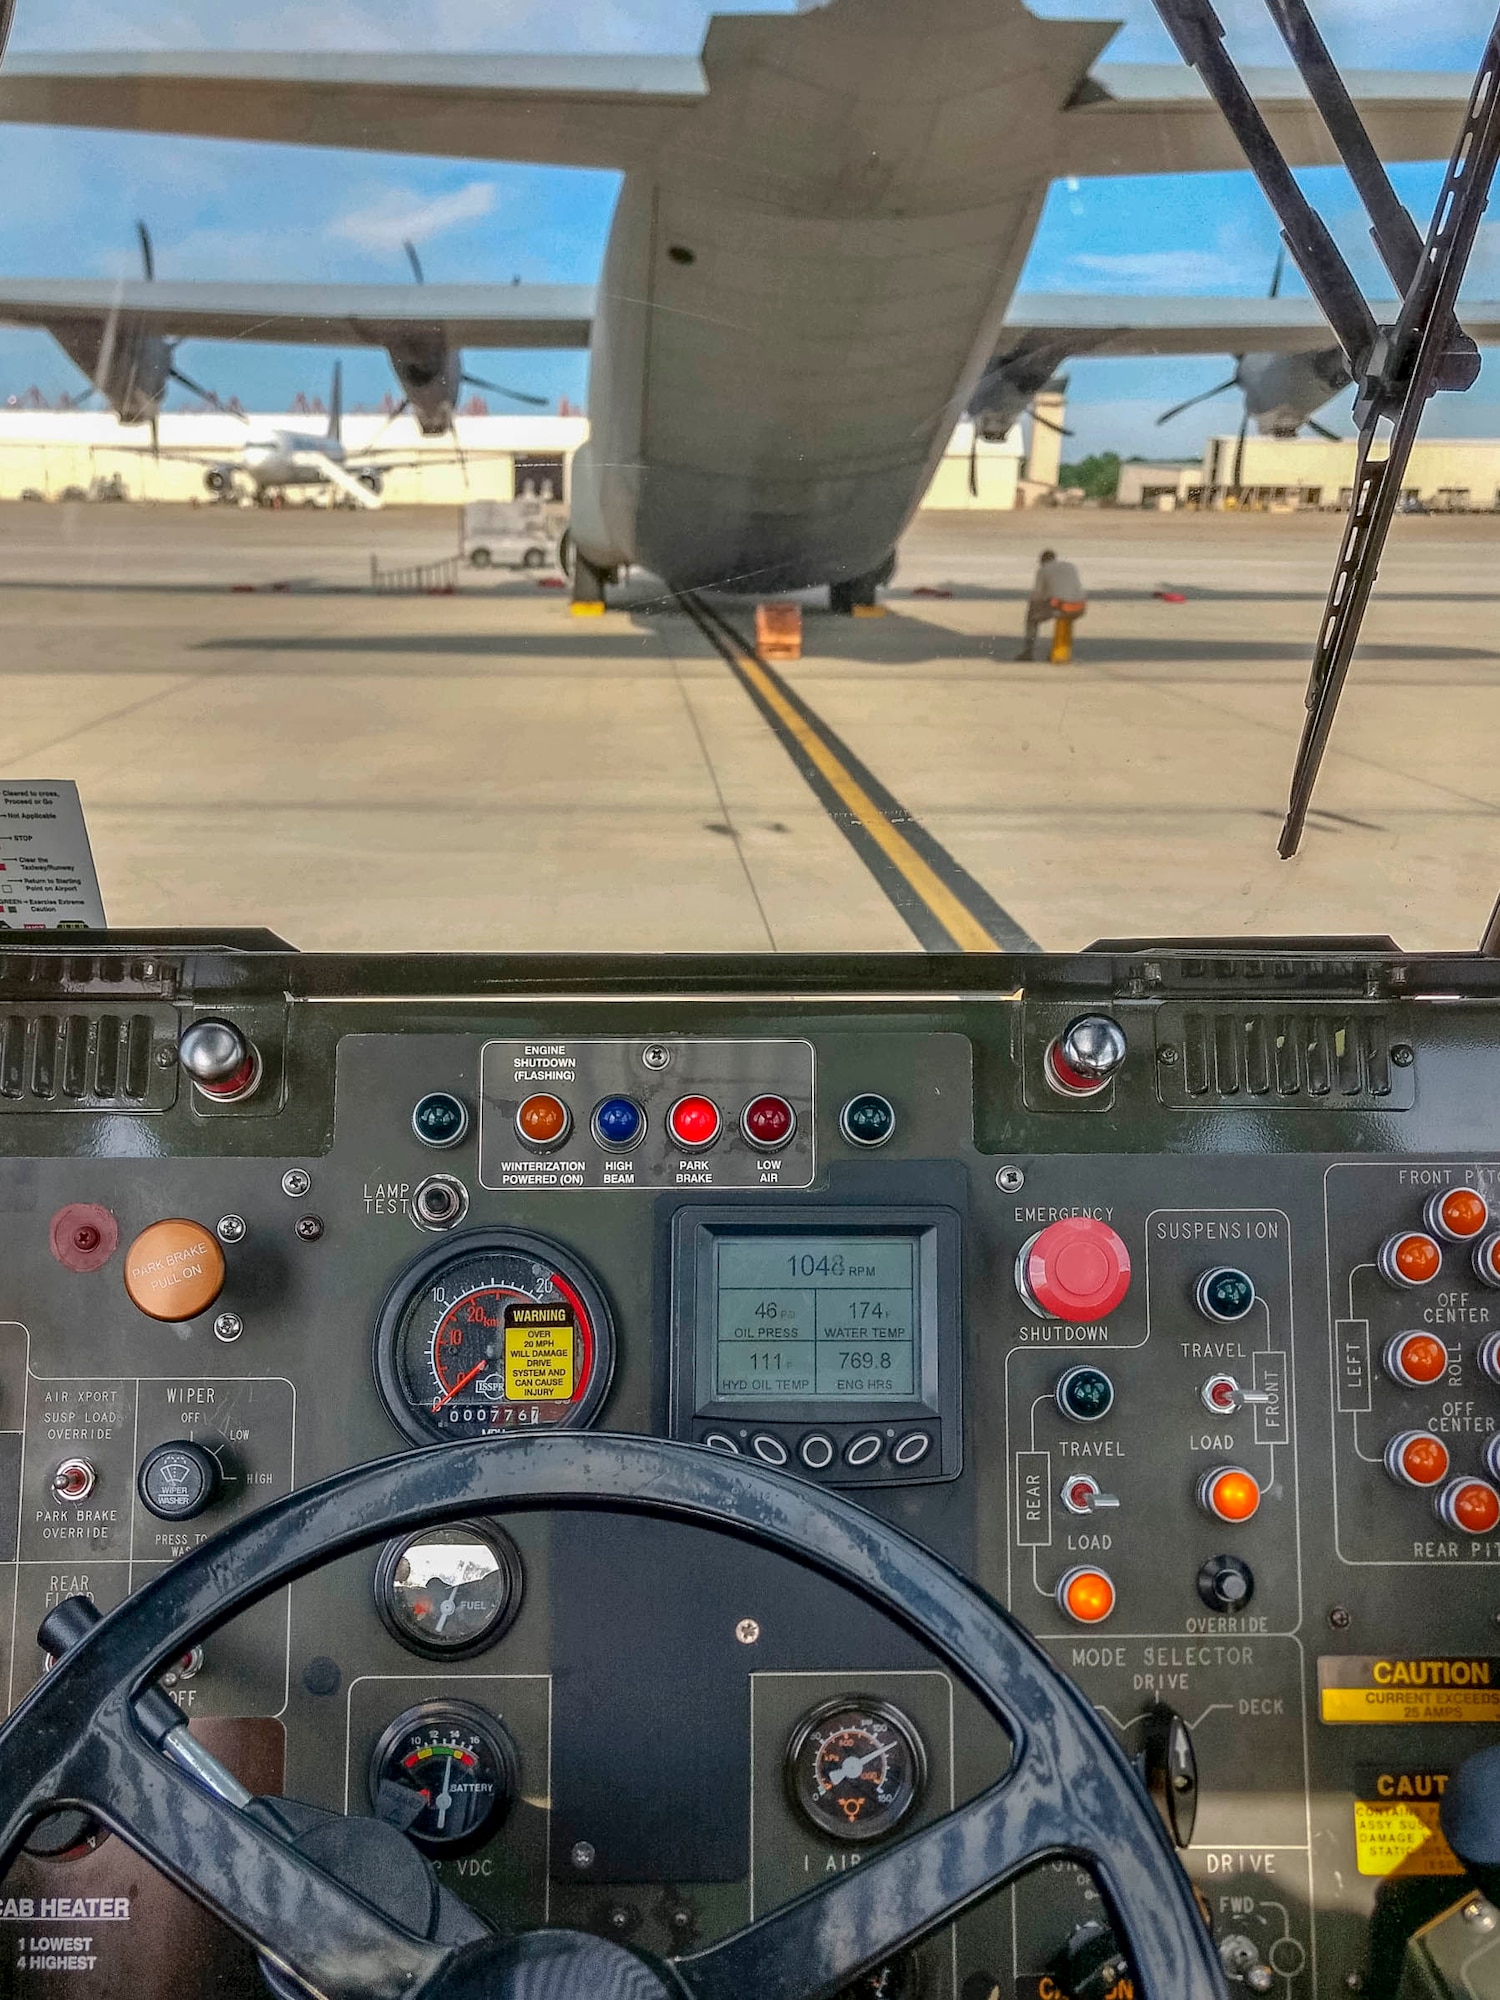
column 1229, row 1493
column 1459, row 1213
column 1486, row 1259
column 1086, row 1595
column 1410, row 1258
column 1417, row 1458
column 1416, row 1360
column 1472, row 1506
column 543, row 1120
column 174, row 1270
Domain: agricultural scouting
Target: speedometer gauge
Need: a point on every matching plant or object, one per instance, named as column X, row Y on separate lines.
column 493, row 1333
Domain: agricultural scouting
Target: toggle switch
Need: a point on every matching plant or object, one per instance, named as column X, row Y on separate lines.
column 1223, row 1395
column 1081, row 1495
column 222, row 1061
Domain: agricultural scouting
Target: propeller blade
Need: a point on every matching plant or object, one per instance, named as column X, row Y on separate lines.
column 1275, row 291
column 974, row 463
column 148, row 258
column 1062, row 430
column 499, row 389
column 400, row 411
column 155, row 437
column 415, row 261
column 1323, row 431
column 84, row 396
column 1239, row 449
column 1207, row 395
column 175, row 374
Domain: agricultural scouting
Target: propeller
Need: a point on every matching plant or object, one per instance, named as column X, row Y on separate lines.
column 499, row 389
column 148, row 257
column 1323, row 431
column 1203, row 396
column 1239, row 449
column 470, row 381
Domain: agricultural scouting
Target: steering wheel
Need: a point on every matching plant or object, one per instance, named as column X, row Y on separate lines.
column 79, row 1740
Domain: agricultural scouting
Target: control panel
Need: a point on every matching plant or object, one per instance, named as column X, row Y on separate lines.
column 1159, row 1295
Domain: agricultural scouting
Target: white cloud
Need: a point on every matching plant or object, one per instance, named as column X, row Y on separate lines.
column 401, row 215
column 1162, row 270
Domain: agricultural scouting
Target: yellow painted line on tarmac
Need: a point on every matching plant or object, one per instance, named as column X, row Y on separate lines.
column 966, row 931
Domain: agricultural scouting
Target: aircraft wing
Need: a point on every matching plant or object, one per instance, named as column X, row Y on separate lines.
column 564, row 110
column 1089, row 323
column 529, row 316
column 1157, row 118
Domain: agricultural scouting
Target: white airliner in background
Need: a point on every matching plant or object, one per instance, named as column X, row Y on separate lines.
column 816, row 243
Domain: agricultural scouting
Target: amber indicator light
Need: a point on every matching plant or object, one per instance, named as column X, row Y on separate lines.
column 543, row 1120
column 1229, row 1493
column 1086, row 1595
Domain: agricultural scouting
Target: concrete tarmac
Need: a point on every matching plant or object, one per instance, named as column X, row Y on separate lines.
column 483, row 771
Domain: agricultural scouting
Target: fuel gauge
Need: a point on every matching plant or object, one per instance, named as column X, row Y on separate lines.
column 855, row 1768
column 449, row 1593
column 444, row 1773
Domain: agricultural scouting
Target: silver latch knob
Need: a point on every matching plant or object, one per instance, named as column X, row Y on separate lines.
column 1082, row 1060
column 222, row 1061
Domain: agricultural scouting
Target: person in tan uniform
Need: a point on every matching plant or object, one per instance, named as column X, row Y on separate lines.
column 1056, row 587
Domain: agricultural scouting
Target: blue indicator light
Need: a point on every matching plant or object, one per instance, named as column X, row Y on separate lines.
column 619, row 1121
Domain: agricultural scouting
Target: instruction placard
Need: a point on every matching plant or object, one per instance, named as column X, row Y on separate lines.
column 540, row 1345
column 47, row 878
column 1370, row 1688
column 1396, row 1826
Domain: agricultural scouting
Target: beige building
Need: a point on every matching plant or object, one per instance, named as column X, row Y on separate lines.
column 50, row 453
column 1458, row 475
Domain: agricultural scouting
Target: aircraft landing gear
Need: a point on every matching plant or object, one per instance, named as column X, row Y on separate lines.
column 854, row 596
column 588, row 581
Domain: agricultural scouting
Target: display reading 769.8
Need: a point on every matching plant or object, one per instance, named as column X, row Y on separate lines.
column 815, row 1316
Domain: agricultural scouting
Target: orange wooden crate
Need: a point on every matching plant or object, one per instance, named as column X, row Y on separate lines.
column 778, row 631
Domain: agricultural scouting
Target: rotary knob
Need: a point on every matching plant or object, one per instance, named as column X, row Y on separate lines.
column 1075, row 1269
column 222, row 1061
column 1083, row 1059
column 177, row 1481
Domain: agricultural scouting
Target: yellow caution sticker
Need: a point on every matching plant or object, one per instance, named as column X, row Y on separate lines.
column 1396, row 1829
column 1383, row 1688
column 541, row 1345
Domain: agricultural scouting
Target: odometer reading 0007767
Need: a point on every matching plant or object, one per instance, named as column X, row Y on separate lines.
column 495, row 1332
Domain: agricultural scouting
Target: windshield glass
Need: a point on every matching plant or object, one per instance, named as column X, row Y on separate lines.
column 852, row 479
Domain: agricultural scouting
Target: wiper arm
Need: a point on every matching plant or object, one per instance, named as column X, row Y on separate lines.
column 1397, row 368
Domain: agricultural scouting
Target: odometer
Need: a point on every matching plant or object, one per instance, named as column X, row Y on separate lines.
column 493, row 1333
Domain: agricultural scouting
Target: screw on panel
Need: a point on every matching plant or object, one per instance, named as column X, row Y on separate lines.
column 582, row 1855
column 1010, row 1180
column 228, row 1326
column 166, row 1058
column 309, row 1227
column 1167, row 1053
column 747, row 1631
column 230, row 1229
column 1403, row 1055
column 656, row 1056
column 1355, row 1981
column 1338, row 1618
column 296, row 1181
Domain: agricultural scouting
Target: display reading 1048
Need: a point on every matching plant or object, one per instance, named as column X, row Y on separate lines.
column 819, row 1316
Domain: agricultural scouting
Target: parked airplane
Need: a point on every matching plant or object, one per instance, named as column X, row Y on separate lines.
column 820, row 226
column 272, row 460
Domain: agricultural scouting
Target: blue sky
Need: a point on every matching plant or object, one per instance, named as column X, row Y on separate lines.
column 221, row 211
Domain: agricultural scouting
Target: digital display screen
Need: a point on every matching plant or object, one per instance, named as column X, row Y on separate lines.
column 832, row 1317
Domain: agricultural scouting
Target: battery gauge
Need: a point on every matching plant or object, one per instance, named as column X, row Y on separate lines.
column 444, row 1773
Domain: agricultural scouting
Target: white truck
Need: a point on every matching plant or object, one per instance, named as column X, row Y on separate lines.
column 508, row 534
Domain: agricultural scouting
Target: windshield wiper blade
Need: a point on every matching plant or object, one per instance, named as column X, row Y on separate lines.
column 1398, row 367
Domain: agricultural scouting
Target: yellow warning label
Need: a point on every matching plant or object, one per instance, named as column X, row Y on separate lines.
column 540, row 1345
column 1377, row 1688
column 1401, row 1838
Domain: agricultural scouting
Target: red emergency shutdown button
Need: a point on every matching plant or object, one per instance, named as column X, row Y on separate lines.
column 1075, row 1269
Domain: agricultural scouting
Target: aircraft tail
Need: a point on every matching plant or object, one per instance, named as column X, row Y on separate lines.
column 336, row 405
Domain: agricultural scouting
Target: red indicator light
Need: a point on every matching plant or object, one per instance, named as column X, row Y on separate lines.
column 1472, row 1506
column 1075, row 1269
column 1416, row 1360
column 1457, row 1213
column 694, row 1122
column 1417, row 1458
column 1229, row 1494
column 1486, row 1260
column 1086, row 1595
column 1410, row 1258
column 768, row 1121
